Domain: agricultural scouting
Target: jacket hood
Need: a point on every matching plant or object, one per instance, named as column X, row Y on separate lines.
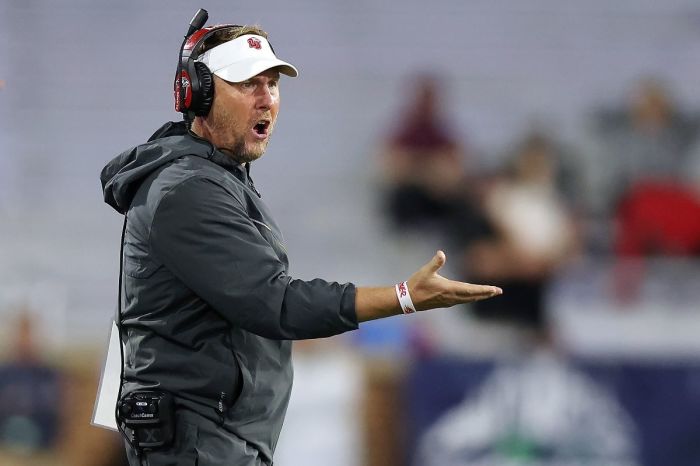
column 123, row 175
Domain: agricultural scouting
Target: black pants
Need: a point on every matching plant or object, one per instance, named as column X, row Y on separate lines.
column 199, row 442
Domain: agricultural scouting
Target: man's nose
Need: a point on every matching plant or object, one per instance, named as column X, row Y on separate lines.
column 265, row 98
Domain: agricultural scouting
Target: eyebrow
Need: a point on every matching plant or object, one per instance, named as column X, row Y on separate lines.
column 275, row 75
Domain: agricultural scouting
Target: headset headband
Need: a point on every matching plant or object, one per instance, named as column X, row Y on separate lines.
column 195, row 42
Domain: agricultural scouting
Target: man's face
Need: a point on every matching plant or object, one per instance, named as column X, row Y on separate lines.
column 243, row 115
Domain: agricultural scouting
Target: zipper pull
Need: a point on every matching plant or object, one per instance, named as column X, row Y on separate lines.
column 220, row 407
column 250, row 180
column 221, row 402
column 252, row 186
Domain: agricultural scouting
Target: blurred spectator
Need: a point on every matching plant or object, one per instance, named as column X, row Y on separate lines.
column 45, row 406
column 653, row 219
column 640, row 182
column 650, row 138
column 536, row 408
column 423, row 165
column 30, row 394
column 532, row 232
column 661, row 219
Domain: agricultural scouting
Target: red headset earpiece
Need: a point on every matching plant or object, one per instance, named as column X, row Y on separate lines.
column 194, row 84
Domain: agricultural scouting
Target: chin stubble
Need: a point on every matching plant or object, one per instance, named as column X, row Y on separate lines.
column 238, row 151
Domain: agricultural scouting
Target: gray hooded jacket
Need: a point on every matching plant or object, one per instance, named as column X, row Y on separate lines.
column 208, row 308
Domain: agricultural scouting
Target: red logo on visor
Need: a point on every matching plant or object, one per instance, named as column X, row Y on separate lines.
column 254, row 43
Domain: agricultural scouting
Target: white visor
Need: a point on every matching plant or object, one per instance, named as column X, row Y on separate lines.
column 244, row 57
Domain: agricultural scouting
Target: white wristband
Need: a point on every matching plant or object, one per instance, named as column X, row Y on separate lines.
column 404, row 298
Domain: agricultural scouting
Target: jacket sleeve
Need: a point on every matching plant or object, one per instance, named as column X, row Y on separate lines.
column 204, row 236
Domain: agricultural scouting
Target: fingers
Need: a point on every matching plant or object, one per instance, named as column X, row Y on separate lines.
column 468, row 291
column 437, row 261
column 430, row 290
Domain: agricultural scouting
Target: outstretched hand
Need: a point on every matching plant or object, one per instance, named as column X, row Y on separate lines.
column 430, row 290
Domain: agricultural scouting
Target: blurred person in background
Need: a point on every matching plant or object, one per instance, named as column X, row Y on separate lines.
column 658, row 208
column 642, row 195
column 657, row 219
column 31, row 394
column 649, row 140
column 45, row 404
column 423, row 165
column 534, row 407
column 208, row 306
column 532, row 231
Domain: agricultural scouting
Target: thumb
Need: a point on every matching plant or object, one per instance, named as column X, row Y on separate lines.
column 437, row 261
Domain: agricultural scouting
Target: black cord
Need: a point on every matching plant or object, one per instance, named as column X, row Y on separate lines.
column 118, row 321
column 196, row 23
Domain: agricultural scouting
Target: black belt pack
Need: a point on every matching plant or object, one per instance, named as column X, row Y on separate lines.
column 150, row 418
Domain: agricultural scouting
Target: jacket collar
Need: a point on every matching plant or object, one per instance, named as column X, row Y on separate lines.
column 239, row 170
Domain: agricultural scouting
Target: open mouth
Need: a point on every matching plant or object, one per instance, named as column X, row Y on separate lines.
column 261, row 127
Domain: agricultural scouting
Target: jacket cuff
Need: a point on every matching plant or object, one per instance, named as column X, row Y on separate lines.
column 347, row 307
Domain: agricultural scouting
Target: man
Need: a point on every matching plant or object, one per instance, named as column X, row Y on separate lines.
column 208, row 308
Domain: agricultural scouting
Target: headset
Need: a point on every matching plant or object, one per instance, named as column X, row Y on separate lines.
column 194, row 82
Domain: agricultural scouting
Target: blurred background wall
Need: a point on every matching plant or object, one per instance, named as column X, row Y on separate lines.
column 601, row 98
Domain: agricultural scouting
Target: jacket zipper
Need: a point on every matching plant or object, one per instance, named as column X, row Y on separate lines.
column 250, row 180
column 252, row 186
column 222, row 398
